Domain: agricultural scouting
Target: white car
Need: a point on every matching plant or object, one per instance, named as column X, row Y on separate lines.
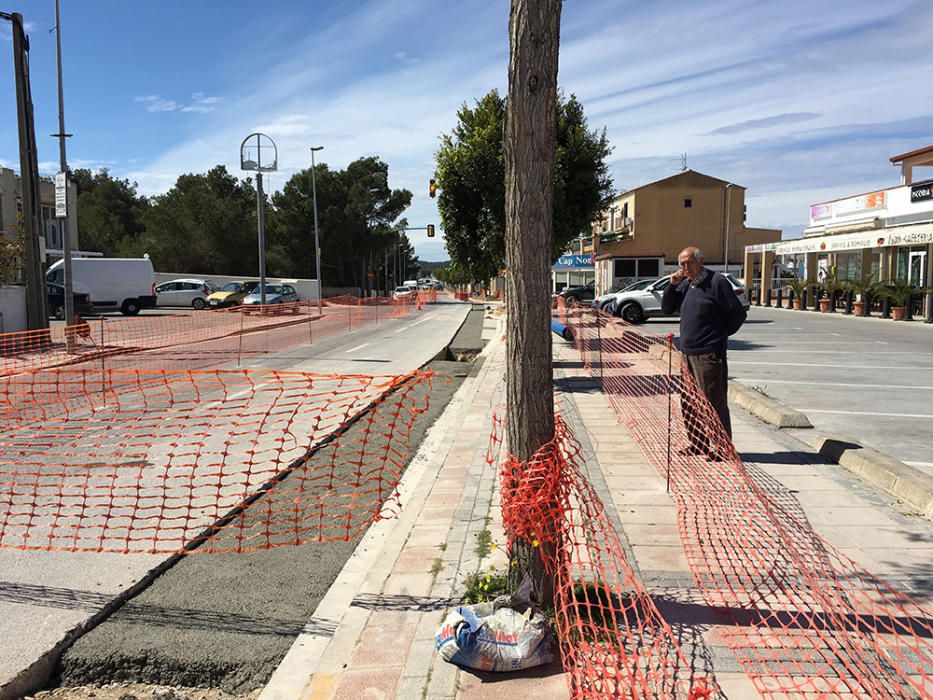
column 642, row 299
column 185, row 292
column 402, row 292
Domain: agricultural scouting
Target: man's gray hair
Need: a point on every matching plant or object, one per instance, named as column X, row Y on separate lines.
column 698, row 254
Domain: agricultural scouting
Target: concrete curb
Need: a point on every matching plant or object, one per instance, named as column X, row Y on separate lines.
column 764, row 407
column 769, row 410
column 903, row 482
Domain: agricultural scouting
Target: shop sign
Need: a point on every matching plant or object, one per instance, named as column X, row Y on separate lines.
column 864, row 202
column 574, row 261
column 882, row 238
column 821, row 211
column 921, row 192
column 915, row 238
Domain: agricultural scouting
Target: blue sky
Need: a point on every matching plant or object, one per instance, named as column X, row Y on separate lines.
column 797, row 101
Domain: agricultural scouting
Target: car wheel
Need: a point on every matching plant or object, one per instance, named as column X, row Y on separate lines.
column 198, row 304
column 571, row 301
column 130, row 307
column 59, row 313
column 632, row 313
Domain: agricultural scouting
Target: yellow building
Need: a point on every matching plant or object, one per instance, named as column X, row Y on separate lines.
column 646, row 227
column 11, row 195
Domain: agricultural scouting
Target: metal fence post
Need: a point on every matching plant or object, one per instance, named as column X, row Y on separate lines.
column 670, row 400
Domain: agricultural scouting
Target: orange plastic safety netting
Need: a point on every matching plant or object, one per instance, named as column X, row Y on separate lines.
column 807, row 621
column 194, row 340
column 613, row 640
column 163, row 461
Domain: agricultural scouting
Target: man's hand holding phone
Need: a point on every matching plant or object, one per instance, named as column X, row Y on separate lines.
column 678, row 277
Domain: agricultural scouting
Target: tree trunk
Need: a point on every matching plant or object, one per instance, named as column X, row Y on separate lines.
column 530, row 137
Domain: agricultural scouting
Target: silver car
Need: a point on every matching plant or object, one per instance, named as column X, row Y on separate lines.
column 185, row 292
column 642, row 300
column 275, row 294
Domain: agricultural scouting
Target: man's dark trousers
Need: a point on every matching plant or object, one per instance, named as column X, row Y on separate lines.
column 711, row 373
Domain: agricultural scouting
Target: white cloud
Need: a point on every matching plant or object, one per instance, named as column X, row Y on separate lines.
column 795, row 111
column 199, row 103
column 154, row 103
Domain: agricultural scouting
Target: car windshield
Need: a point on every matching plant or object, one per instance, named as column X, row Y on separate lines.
column 402, row 289
column 270, row 289
column 638, row 286
column 232, row 287
column 732, row 280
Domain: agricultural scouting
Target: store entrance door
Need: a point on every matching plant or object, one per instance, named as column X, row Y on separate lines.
column 917, row 268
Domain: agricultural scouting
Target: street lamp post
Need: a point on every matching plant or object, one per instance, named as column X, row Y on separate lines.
column 725, row 259
column 317, row 240
column 251, row 158
column 63, row 169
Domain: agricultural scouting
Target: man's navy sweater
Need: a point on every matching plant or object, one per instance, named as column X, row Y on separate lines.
column 709, row 313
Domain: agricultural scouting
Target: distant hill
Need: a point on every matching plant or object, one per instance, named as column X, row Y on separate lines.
column 432, row 266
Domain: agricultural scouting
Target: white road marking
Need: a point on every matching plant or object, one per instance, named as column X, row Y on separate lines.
column 840, row 352
column 919, row 464
column 804, row 364
column 358, row 347
column 797, row 343
column 765, row 380
column 403, row 329
column 751, row 332
column 865, row 413
column 426, row 318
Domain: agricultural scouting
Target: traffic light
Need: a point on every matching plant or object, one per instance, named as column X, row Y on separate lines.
column 431, row 227
column 432, row 189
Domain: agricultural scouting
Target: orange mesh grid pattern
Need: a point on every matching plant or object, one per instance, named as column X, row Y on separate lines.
column 613, row 640
column 159, row 461
column 807, row 621
column 197, row 339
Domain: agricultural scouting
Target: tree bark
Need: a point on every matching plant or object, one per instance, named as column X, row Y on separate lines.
column 530, row 137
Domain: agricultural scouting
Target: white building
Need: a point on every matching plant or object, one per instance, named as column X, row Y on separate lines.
column 887, row 232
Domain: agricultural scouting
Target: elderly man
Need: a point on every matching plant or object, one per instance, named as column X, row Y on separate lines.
column 710, row 312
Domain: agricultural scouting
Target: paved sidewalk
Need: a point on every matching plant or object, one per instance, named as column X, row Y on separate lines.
column 385, row 615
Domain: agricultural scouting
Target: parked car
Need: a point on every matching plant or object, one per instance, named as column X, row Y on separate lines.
column 56, row 301
column 574, row 295
column 231, row 294
column 275, row 294
column 642, row 300
column 185, row 292
column 127, row 284
column 402, row 292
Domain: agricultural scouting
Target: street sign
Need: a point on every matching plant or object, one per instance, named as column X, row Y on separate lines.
column 61, row 195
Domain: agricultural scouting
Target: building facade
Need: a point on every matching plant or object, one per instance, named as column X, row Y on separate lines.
column 11, row 203
column 575, row 268
column 645, row 228
column 887, row 233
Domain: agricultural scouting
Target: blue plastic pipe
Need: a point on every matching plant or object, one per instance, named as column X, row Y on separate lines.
column 562, row 330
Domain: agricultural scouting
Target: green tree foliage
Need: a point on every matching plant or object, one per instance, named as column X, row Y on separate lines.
column 471, row 177
column 110, row 212
column 205, row 224
column 357, row 219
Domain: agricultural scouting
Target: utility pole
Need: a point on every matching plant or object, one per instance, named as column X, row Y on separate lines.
column 37, row 316
column 63, row 173
column 725, row 255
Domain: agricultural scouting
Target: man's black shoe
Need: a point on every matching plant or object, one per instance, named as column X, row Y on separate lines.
column 691, row 451
column 716, row 456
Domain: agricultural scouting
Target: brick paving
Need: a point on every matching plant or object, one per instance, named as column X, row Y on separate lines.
column 384, row 644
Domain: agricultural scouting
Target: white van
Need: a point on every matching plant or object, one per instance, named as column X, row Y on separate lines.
column 124, row 283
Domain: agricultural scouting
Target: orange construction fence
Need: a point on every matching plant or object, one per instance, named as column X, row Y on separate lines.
column 194, row 340
column 804, row 620
column 220, row 461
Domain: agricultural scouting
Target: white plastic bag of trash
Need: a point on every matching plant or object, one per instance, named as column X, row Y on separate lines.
column 494, row 637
